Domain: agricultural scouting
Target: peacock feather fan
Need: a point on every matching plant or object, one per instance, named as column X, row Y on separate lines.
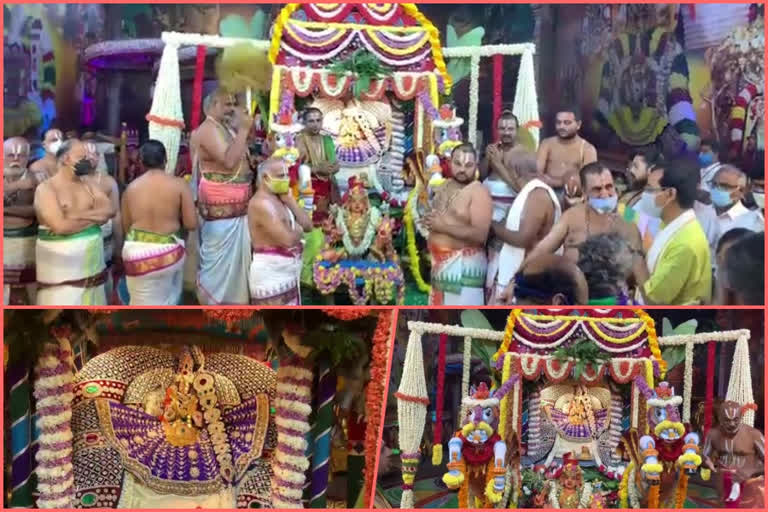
column 244, row 66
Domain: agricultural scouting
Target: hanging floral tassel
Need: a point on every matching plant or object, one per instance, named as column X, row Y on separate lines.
column 17, row 380
column 292, row 410
column 321, row 451
column 437, row 447
column 498, row 88
column 375, row 394
column 53, row 392
column 709, row 396
column 166, row 118
column 740, row 381
column 197, row 87
column 412, row 401
column 682, row 490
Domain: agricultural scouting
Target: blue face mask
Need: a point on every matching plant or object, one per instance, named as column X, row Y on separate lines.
column 706, row 159
column 721, row 198
column 603, row 205
column 647, row 205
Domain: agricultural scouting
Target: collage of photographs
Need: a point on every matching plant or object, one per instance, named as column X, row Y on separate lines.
column 372, row 256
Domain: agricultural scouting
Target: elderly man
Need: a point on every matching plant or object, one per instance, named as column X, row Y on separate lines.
column 277, row 224
column 46, row 166
column 19, row 224
column 727, row 190
column 596, row 216
column 458, row 230
column 70, row 248
column 220, row 155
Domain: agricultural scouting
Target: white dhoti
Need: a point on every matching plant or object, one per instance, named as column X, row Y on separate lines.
column 154, row 268
column 274, row 277
column 109, row 248
column 70, row 268
column 19, row 283
column 225, row 243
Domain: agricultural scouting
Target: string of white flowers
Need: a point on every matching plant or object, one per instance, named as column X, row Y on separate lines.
column 635, row 405
column 526, row 105
column 455, row 330
column 474, row 97
column 704, row 337
column 211, row 41
column 489, row 50
column 634, row 500
column 466, row 366
column 411, row 414
column 688, row 382
column 740, row 381
column 166, row 105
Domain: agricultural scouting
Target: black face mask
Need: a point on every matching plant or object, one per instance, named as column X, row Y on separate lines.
column 83, row 167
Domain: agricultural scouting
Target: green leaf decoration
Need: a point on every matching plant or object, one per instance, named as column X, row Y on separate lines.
column 481, row 349
column 583, row 353
column 676, row 355
column 339, row 344
column 234, row 25
column 365, row 66
column 459, row 68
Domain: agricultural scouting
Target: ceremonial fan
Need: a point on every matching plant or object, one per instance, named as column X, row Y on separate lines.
column 245, row 68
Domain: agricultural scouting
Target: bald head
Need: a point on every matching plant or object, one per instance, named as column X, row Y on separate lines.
column 15, row 155
column 274, row 168
column 551, row 279
column 73, row 157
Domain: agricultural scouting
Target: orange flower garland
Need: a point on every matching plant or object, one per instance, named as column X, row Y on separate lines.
column 347, row 315
column 375, row 396
column 230, row 317
column 653, row 340
column 508, row 331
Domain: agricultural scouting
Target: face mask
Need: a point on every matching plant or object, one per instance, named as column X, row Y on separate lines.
column 721, row 198
column 54, row 147
column 83, row 167
column 278, row 186
column 759, row 199
column 603, row 205
column 647, row 205
column 706, row 159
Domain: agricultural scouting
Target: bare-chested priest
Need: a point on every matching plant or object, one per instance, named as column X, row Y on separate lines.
column 594, row 217
column 735, row 452
column 220, row 158
column 46, row 166
column 564, row 154
column 459, row 222
column 19, row 224
column 318, row 151
column 277, row 224
column 155, row 207
column 70, row 249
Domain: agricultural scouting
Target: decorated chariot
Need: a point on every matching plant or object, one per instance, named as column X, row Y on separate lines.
column 578, row 414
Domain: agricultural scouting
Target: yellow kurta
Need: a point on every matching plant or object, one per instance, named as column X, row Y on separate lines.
column 683, row 274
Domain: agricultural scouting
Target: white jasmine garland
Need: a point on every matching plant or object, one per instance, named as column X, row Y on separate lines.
column 687, row 382
column 465, row 369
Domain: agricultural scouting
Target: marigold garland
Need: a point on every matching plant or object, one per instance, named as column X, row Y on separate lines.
column 508, row 331
column 374, row 395
column 623, row 492
column 413, row 253
column 653, row 340
column 682, row 489
column 230, row 317
column 347, row 315
column 653, row 496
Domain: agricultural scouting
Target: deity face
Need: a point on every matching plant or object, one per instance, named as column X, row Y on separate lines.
column 729, row 417
column 480, row 424
column 15, row 156
column 566, row 125
column 446, row 139
column 571, row 480
column 357, row 202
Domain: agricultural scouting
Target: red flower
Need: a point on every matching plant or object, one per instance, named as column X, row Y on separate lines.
column 347, row 315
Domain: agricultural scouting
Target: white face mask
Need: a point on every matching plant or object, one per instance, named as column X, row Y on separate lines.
column 53, row 147
column 759, row 200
